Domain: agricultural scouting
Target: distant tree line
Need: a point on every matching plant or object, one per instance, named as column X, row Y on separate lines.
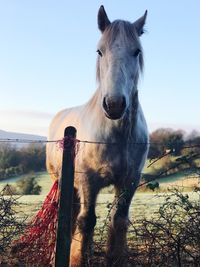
column 15, row 161
column 27, row 185
column 176, row 151
column 164, row 139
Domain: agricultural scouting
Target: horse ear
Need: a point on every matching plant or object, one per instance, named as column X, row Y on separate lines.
column 139, row 24
column 103, row 20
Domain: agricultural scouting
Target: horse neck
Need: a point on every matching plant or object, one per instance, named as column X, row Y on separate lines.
column 107, row 128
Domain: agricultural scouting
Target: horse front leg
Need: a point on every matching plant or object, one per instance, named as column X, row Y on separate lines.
column 117, row 243
column 83, row 234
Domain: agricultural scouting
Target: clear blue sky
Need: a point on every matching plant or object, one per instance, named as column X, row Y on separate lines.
column 48, row 57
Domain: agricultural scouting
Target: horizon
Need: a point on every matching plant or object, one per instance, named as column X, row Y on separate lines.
column 48, row 57
column 186, row 133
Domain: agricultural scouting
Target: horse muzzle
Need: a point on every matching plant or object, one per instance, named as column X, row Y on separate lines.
column 114, row 107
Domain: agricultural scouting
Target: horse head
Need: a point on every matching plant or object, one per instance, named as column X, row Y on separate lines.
column 119, row 62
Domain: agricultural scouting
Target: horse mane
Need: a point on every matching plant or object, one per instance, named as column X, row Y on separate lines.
column 126, row 31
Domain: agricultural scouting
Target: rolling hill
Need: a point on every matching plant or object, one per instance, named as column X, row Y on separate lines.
column 13, row 135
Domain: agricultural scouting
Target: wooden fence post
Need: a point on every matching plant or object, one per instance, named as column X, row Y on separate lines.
column 63, row 243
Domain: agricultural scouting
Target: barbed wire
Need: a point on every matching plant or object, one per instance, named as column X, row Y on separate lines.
column 159, row 175
column 137, row 225
column 110, row 205
column 32, row 141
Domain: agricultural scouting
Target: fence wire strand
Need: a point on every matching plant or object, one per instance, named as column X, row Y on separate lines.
column 32, row 141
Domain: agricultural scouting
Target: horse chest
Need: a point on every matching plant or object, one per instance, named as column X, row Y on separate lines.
column 105, row 161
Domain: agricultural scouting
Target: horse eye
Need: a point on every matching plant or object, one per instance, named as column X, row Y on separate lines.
column 100, row 53
column 137, row 52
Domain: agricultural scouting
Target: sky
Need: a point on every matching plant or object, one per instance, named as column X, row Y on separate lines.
column 48, row 58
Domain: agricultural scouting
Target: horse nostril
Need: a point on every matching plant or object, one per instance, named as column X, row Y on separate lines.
column 123, row 103
column 105, row 106
column 114, row 105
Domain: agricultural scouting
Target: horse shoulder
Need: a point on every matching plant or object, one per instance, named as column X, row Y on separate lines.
column 64, row 118
column 140, row 140
column 142, row 134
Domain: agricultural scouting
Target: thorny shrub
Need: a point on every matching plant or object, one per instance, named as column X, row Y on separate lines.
column 11, row 222
column 172, row 236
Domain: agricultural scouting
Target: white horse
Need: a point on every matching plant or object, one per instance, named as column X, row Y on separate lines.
column 114, row 117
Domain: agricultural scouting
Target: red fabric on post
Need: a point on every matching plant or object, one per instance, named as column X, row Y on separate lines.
column 37, row 245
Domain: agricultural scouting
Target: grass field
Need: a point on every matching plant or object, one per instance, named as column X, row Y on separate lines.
column 144, row 203
column 44, row 180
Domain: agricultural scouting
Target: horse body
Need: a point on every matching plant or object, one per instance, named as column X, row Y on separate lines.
column 114, row 124
column 114, row 150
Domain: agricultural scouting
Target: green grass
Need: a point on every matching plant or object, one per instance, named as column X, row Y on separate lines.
column 144, row 203
column 45, row 181
column 30, row 204
column 42, row 178
column 172, row 178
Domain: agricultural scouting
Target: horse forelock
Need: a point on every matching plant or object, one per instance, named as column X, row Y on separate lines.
column 127, row 33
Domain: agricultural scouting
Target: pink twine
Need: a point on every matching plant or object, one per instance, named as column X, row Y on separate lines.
column 69, row 141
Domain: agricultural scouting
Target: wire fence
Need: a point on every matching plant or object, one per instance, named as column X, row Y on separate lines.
column 156, row 240
column 152, row 242
column 171, row 151
column 40, row 141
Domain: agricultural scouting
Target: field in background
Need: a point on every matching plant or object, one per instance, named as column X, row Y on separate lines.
column 42, row 178
column 178, row 179
column 145, row 201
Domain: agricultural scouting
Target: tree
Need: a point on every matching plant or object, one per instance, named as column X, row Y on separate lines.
column 165, row 139
column 9, row 156
column 33, row 157
column 15, row 161
column 29, row 186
